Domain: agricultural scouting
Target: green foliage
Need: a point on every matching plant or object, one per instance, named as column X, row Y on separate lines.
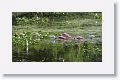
column 36, row 28
column 41, row 51
column 46, row 18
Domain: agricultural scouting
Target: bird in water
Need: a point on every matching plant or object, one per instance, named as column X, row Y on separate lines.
column 61, row 37
column 64, row 36
column 52, row 36
column 91, row 36
column 79, row 37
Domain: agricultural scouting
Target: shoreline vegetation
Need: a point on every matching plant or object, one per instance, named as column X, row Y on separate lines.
column 57, row 37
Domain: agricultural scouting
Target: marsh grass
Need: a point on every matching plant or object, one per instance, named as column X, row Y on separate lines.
column 44, row 50
column 68, row 52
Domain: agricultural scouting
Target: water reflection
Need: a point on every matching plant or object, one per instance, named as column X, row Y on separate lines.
column 55, row 50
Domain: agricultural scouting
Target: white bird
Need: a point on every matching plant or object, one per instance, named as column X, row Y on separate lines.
column 52, row 36
column 91, row 36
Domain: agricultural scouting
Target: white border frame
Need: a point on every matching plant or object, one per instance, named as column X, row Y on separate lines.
column 104, row 67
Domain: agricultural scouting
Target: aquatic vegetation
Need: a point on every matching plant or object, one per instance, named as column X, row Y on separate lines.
column 57, row 37
column 43, row 50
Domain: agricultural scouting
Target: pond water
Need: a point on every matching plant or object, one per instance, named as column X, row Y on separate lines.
column 52, row 50
column 44, row 49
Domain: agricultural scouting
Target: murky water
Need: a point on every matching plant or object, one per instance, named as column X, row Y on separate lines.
column 53, row 50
